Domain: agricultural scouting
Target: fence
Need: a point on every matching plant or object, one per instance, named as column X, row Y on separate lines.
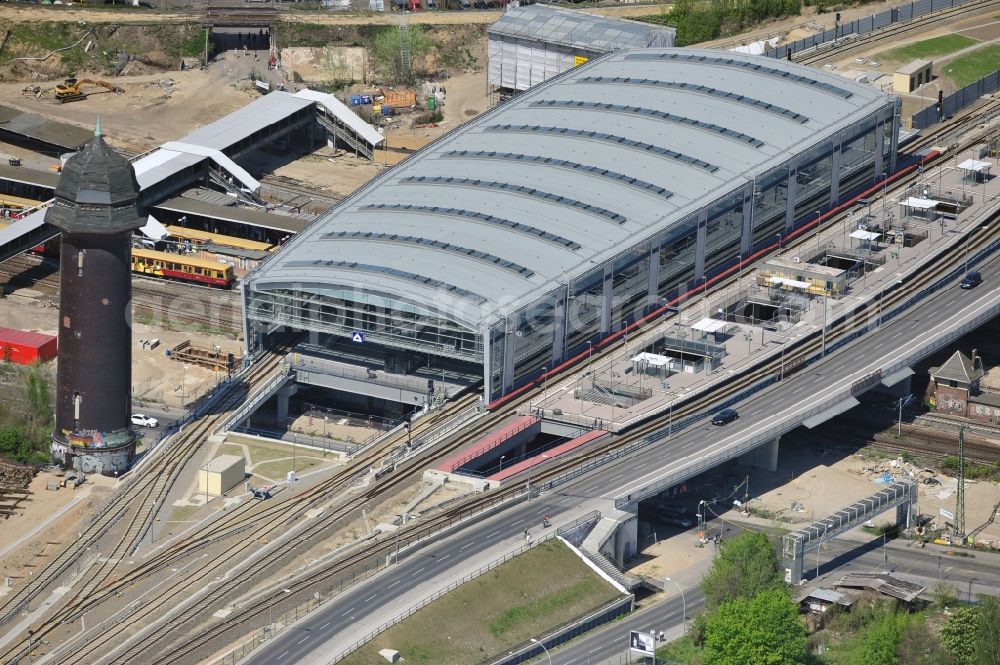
column 868, row 24
column 957, row 101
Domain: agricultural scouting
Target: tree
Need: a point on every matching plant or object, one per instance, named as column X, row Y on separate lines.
column 745, row 566
column 394, row 49
column 987, row 627
column 959, row 635
column 878, row 642
column 763, row 630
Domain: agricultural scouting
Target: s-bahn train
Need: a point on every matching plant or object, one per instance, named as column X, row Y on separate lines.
column 182, row 268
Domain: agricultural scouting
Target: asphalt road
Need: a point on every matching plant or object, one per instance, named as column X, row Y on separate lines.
column 608, row 645
column 761, row 412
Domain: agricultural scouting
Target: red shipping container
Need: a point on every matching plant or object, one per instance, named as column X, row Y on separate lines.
column 24, row 348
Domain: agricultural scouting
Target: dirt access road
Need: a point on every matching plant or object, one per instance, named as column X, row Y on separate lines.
column 18, row 13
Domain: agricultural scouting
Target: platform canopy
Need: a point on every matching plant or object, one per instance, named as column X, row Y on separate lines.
column 709, row 326
column 790, row 283
column 975, row 166
column 919, row 203
column 870, row 236
column 652, row 359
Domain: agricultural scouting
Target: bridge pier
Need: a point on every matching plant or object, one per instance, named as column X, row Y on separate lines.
column 627, row 540
column 283, row 395
column 764, row 456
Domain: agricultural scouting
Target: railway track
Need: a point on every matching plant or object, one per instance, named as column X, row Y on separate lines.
column 149, row 487
column 351, row 562
column 848, row 43
column 240, row 523
column 171, row 301
column 253, row 525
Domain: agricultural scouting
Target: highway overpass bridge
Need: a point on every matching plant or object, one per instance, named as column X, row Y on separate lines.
column 932, row 320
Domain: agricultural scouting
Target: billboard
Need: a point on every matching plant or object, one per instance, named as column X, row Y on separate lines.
column 644, row 643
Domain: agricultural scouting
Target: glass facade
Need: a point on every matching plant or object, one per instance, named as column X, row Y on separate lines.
column 675, row 250
column 657, row 269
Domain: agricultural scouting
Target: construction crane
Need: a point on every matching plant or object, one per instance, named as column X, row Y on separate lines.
column 72, row 89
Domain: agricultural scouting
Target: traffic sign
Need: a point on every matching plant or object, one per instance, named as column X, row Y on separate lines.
column 358, row 337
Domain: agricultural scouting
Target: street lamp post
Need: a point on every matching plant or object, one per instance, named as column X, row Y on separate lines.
column 779, row 241
column 823, row 349
column 502, row 457
column 545, row 385
column 590, row 359
column 547, row 654
column 270, row 614
column 684, row 608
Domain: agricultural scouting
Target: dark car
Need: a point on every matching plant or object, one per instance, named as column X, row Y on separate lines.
column 971, row 280
column 676, row 520
column 262, row 493
column 725, row 416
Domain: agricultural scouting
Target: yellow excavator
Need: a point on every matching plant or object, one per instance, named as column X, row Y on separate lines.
column 72, row 89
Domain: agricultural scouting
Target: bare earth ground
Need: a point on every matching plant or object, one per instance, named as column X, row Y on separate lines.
column 59, row 528
column 819, row 484
column 155, row 378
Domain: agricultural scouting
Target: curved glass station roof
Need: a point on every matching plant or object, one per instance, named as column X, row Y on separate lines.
column 566, row 176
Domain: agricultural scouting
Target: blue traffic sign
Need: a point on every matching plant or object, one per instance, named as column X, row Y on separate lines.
column 358, row 337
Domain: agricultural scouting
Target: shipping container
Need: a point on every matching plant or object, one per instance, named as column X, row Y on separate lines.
column 386, row 110
column 355, row 100
column 25, row 348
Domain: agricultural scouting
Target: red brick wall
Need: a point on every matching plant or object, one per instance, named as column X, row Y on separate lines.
column 953, row 401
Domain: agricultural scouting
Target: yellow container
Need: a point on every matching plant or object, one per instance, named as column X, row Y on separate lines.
column 377, row 109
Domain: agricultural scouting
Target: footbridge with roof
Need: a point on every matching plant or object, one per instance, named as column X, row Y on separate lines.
column 210, row 154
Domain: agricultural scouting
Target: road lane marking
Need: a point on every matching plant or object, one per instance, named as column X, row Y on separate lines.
column 443, row 557
column 283, row 653
column 324, row 625
column 970, row 311
column 418, row 571
column 303, row 639
column 466, row 545
column 370, row 597
column 393, row 584
column 493, row 534
column 347, row 612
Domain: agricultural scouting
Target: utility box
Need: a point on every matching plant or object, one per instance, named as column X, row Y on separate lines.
column 911, row 76
column 221, row 475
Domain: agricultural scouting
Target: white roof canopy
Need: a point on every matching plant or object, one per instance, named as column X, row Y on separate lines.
column 973, row 165
column 709, row 325
column 153, row 229
column 865, row 235
column 919, row 204
column 792, row 283
column 653, row 359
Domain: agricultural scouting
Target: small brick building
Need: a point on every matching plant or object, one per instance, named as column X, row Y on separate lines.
column 956, row 391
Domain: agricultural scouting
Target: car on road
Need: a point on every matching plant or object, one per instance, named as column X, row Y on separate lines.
column 144, row 421
column 725, row 416
column 972, row 280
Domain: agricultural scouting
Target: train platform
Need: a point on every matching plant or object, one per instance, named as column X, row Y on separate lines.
column 706, row 343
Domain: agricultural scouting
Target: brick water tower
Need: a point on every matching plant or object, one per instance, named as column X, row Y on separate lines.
column 97, row 209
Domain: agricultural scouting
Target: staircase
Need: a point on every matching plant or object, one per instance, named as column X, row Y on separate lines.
column 608, row 568
column 345, row 135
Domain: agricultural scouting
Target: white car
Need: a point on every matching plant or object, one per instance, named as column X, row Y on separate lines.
column 144, row 421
